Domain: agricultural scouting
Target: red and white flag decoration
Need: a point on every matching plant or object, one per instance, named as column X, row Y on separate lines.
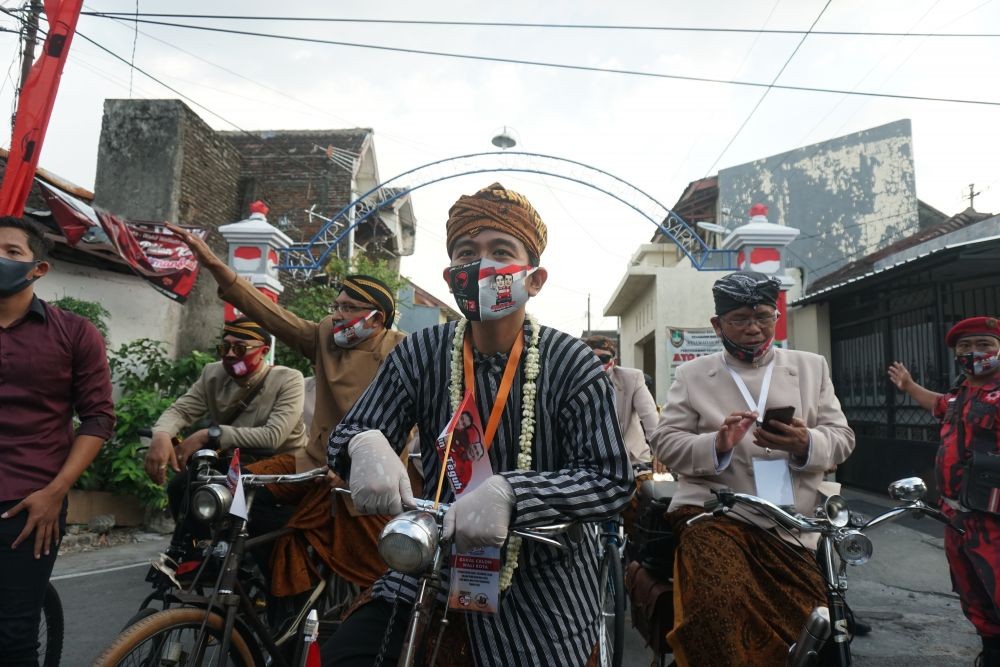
column 234, row 481
column 764, row 260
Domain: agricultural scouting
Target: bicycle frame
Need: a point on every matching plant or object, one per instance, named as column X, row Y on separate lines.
column 229, row 597
column 431, row 583
column 831, row 534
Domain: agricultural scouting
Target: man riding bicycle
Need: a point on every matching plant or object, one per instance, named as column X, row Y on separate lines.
column 554, row 446
column 743, row 595
column 258, row 408
column 346, row 348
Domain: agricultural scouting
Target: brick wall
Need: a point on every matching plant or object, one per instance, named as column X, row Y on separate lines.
column 209, row 176
column 290, row 171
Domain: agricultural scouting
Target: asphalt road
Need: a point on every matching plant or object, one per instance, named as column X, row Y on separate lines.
column 904, row 592
column 101, row 591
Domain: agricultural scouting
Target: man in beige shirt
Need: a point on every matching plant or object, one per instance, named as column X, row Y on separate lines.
column 270, row 423
column 257, row 407
column 744, row 595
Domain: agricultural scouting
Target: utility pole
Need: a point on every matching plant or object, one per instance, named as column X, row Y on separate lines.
column 30, row 37
column 972, row 195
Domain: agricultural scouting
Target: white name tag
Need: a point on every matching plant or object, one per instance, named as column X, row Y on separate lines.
column 774, row 480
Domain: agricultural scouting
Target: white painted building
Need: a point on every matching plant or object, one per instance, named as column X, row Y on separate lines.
column 848, row 196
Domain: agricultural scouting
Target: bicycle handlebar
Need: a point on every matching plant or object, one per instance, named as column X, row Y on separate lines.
column 726, row 500
column 538, row 534
column 252, row 480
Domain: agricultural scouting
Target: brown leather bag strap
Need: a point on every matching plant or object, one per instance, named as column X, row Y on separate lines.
column 244, row 400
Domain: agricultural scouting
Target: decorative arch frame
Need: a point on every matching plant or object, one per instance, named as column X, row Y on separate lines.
column 303, row 260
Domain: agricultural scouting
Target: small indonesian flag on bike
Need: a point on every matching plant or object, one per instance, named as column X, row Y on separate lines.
column 234, row 481
column 310, row 639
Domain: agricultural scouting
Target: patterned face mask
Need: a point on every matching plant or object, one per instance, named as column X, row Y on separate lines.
column 349, row 334
column 977, row 363
column 489, row 290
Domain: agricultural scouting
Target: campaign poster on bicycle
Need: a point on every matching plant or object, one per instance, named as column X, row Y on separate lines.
column 687, row 343
column 475, row 575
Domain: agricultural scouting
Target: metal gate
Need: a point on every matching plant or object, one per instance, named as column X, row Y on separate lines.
column 901, row 320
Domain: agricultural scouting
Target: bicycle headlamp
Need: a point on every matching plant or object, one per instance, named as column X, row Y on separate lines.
column 408, row 542
column 855, row 548
column 210, row 502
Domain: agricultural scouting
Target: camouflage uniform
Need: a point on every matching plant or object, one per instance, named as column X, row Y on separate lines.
column 970, row 421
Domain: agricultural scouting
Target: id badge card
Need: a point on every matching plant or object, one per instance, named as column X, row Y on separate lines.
column 475, row 575
column 475, row 580
column 773, row 479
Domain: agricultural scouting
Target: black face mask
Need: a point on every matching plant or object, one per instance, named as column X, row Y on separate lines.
column 743, row 353
column 14, row 276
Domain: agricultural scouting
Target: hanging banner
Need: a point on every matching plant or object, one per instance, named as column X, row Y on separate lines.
column 34, row 105
column 690, row 343
column 148, row 248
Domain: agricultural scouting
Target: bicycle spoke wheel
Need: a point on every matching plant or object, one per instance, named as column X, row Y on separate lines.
column 612, row 639
column 50, row 630
column 171, row 637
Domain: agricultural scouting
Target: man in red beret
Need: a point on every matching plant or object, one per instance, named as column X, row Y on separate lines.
column 970, row 438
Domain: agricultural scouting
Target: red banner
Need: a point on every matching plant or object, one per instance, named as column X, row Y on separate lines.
column 148, row 248
column 34, row 106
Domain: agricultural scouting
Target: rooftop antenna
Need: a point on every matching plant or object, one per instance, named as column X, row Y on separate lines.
column 972, row 195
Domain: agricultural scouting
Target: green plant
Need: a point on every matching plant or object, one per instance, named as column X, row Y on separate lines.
column 337, row 268
column 93, row 311
column 149, row 382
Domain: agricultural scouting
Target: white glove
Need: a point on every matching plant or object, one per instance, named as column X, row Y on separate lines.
column 481, row 517
column 379, row 483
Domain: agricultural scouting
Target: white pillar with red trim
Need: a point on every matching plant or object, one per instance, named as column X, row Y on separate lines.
column 759, row 245
column 253, row 253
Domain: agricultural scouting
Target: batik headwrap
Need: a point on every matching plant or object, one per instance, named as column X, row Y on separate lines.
column 745, row 288
column 740, row 289
column 371, row 290
column 496, row 207
column 246, row 329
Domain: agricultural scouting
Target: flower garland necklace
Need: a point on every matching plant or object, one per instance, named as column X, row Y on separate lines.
column 528, row 390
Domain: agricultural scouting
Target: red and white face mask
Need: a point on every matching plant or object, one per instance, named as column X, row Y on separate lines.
column 246, row 365
column 488, row 290
column 348, row 334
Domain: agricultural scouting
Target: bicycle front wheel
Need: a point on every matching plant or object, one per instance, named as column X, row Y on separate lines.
column 170, row 637
column 50, row 630
column 612, row 639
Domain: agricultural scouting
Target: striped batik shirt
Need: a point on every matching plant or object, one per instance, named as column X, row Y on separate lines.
column 580, row 472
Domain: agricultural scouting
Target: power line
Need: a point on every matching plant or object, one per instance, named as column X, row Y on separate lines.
column 682, row 163
column 141, row 71
column 819, row 145
column 522, row 24
column 569, row 66
column 261, row 84
column 769, row 87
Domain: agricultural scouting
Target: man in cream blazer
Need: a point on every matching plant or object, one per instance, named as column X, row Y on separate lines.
column 634, row 405
column 743, row 593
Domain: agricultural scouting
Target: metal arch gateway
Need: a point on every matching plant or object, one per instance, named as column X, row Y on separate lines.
column 305, row 259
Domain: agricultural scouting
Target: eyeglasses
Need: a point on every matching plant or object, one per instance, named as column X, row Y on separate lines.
column 759, row 320
column 605, row 358
column 239, row 349
column 347, row 308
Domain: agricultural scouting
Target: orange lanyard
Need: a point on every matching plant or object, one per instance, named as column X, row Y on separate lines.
column 505, row 383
